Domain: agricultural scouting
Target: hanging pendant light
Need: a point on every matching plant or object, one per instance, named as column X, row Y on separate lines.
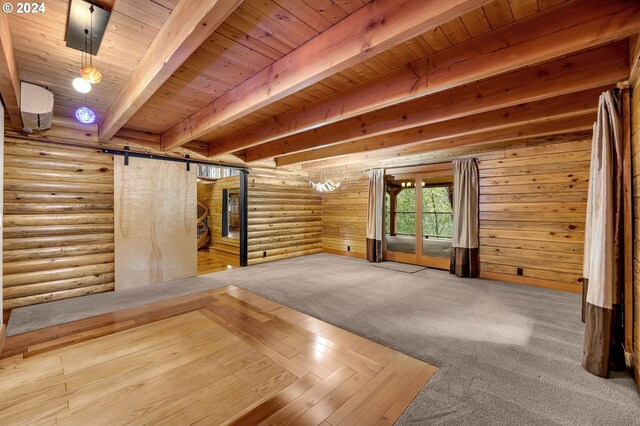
column 326, row 186
column 88, row 75
column 88, row 72
column 81, row 85
column 85, row 115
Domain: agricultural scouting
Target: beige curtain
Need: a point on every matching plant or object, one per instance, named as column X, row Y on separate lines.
column 375, row 215
column 464, row 250
column 604, row 247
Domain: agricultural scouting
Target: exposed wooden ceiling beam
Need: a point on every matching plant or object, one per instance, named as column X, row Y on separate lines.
column 564, row 29
column 189, row 25
column 431, row 157
column 582, row 123
column 566, row 106
column 370, row 30
column 67, row 131
column 9, row 79
column 595, row 68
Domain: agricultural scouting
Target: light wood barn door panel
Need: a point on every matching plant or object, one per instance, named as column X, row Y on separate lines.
column 155, row 222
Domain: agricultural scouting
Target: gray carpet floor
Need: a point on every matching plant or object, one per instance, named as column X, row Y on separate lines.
column 506, row 354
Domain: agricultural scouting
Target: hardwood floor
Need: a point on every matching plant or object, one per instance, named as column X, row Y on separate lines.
column 209, row 262
column 225, row 356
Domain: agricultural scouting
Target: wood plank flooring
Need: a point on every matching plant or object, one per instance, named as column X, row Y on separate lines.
column 209, row 262
column 225, row 356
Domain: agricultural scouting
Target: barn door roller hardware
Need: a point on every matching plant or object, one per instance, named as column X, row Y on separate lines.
column 127, row 153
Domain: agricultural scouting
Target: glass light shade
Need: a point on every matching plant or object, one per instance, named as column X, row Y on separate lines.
column 81, row 85
column 91, row 74
column 85, row 115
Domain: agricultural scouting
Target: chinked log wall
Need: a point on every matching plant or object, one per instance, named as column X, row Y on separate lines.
column 532, row 211
column 285, row 215
column 58, row 222
column 58, row 235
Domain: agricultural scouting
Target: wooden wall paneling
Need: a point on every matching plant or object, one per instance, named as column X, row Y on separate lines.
column 635, row 164
column 2, row 326
column 627, row 218
column 58, row 222
column 155, row 222
column 285, row 215
column 532, row 210
column 536, row 218
column 344, row 214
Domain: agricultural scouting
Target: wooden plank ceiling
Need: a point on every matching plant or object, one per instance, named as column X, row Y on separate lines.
column 539, row 61
column 43, row 58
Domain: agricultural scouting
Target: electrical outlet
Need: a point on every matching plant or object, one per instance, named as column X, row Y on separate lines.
column 264, row 254
column 348, row 248
column 519, row 272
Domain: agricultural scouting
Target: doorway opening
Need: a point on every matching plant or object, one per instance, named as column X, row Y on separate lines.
column 419, row 214
column 221, row 218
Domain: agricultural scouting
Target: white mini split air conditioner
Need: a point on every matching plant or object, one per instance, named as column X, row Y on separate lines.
column 36, row 107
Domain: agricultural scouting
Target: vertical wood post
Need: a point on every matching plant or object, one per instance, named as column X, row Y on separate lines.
column 625, row 93
column 393, row 206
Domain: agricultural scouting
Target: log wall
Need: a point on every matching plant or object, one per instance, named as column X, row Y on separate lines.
column 285, row 215
column 532, row 209
column 58, row 222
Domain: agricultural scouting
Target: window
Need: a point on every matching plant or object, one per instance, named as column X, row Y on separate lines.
column 437, row 211
column 213, row 172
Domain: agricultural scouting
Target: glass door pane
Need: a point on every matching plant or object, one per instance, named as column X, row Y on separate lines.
column 437, row 215
column 401, row 218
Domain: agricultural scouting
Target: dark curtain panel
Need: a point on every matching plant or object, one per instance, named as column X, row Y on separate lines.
column 464, row 262
column 604, row 244
column 374, row 250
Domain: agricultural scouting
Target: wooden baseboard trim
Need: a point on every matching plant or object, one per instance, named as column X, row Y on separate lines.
column 345, row 253
column 514, row 279
column 535, row 282
column 3, row 335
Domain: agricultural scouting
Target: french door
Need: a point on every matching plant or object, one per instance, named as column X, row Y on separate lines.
column 419, row 211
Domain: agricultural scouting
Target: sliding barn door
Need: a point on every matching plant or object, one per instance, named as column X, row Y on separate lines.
column 155, row 222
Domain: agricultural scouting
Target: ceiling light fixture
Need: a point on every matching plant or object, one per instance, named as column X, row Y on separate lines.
column 88, row 71
column 81, row 85
column 328, row 186
column 85, row 115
